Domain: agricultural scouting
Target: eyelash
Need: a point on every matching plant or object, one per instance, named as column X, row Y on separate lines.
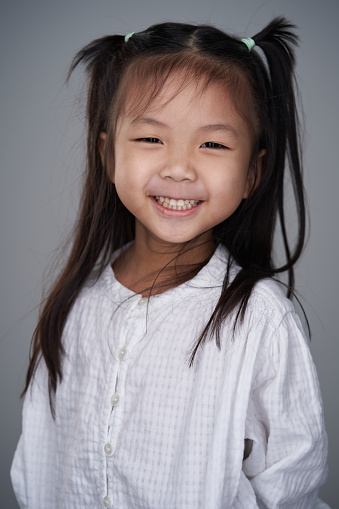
column 207, row 144
column 149, row 140
column 213, row 145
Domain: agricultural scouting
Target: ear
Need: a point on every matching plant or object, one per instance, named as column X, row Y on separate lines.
column 102, row 152
column 255, row 173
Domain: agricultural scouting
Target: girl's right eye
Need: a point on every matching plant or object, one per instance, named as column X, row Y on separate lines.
column 149, row 140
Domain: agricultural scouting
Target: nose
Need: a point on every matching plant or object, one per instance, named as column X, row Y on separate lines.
column 179, row 167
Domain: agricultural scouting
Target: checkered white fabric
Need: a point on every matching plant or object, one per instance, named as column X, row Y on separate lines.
column 136, row 427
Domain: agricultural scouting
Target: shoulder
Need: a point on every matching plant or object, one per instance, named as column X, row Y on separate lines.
column 268, row 298
column 88, row 298
column 274, row 330
column 271, row 323
column 267, row 303
column 91, row 309
column 98, row 287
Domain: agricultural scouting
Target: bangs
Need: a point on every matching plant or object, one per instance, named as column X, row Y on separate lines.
column 144, row 79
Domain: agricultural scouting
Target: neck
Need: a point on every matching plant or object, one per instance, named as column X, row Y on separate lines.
column 150, row 265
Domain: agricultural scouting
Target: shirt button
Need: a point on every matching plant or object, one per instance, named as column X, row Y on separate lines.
column 108, row 448
column 122, row 353
column 143, row 301
column 115, row 399
column 107, row 501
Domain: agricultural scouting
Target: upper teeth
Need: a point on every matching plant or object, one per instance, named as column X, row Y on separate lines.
column 171, row 203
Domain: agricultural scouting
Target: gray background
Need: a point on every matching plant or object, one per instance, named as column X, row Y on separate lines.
column 42, row 155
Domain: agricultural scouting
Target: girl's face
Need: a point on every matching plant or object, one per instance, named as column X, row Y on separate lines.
column 182, row 166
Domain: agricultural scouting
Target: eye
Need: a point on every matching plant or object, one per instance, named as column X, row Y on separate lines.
column 149, row 140
column 212, row 144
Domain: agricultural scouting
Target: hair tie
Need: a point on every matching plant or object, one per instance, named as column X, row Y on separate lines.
column 128, row 36
column 250, row 43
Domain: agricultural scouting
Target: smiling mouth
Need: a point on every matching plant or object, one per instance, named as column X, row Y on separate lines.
column 171, row 203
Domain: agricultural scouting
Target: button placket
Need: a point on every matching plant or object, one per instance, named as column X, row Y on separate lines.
column 109, row 449
column 122, row 353
column 142, row 301
column 107, row 501
column 115, row 399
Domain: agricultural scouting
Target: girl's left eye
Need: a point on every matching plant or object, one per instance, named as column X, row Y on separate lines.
column 150, row 140
column 212, row 144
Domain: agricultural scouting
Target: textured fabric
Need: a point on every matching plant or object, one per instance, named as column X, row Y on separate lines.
column 321, row 505
column 136, row 427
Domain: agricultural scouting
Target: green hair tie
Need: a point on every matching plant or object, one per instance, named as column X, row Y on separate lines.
column 128, row 36
column 250, row 43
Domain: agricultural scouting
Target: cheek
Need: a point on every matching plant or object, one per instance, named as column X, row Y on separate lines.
column 123, row 168
column 128, row 182
column 133, row 170
column 230, row 187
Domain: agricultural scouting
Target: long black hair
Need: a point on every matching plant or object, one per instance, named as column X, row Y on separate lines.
column 262, row 86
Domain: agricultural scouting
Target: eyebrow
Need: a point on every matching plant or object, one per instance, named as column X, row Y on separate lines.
column 220, row 127
column 148, row 121
column 207, row 128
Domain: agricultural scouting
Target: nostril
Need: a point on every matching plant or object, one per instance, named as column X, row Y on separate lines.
column 178, row 178
column 179, row 171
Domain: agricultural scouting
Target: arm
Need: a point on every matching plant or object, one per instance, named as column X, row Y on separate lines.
column 287, row 463
column 34, row 471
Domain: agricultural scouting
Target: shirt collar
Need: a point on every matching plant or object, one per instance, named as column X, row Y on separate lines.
column 210, row 276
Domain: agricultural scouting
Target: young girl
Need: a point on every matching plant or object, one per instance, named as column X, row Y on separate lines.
column 168, row 369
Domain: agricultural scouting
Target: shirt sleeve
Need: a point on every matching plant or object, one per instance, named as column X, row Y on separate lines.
column 34, row 465
column 287, row 463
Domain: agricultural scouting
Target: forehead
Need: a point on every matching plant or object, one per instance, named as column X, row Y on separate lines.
column 192, row 107
column 140, row 100
column 147, row 88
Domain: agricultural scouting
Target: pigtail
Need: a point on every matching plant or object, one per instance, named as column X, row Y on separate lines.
column 93, row 235
column 249, row 232
column 276, row 41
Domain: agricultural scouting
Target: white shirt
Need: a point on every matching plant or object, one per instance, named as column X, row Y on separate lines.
column 136, row 427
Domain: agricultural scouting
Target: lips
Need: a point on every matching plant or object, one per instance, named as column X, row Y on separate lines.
column 172, row 204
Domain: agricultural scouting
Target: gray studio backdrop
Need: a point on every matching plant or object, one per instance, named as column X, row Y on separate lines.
column 42, row 155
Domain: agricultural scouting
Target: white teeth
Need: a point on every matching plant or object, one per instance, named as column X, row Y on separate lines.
column 171, row 203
